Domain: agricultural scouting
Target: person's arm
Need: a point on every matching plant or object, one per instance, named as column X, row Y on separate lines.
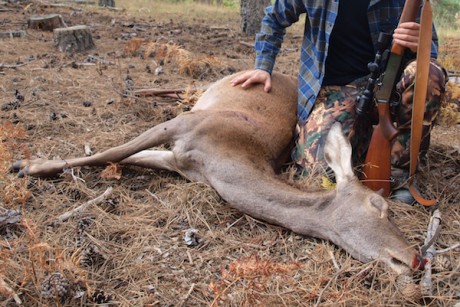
column 278, row 17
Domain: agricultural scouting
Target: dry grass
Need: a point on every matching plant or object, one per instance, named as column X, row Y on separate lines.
column 130, row 249
column 186, row 11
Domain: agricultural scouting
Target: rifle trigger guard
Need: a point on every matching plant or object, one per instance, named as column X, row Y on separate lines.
column 395, row 101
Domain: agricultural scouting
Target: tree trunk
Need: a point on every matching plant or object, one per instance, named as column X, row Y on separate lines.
column 252, row 12
column 108, row 3
column 73, row 39
column 46, row 23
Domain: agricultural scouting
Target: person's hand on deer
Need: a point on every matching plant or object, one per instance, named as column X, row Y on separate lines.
column 406, row 35
column 252, row 77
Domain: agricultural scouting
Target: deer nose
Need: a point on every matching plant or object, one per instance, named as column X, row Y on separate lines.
column 419, row 262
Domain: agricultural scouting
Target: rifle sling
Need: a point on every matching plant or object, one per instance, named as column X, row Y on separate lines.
column 419, row 101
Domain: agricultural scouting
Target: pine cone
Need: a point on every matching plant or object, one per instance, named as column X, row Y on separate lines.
column 99, row 297
column 442, row 264
column 82, row 225
column 55, row 285
column 409, row 290
column 92, row 256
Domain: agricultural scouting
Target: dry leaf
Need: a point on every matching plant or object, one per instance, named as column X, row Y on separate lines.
column 112, row 171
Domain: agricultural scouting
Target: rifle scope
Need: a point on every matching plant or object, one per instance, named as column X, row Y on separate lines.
column 366, row 99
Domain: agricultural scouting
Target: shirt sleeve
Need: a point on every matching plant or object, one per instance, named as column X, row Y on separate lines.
column 278, row 17
column 434, row 44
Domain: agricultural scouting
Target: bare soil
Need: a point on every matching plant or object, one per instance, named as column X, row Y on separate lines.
column 130, row 250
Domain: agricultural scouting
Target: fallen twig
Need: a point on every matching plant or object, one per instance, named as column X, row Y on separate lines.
column 320, row 296
column 159, row 92
column 174, row 93
column 64, row 217
column 7, row 291
column 336, row 265
column 448, row 249
column 17, row 65
column 250, row 45
column 184, row 299
column 426, row 282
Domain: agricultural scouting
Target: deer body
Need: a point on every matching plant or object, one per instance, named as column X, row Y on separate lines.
column 235, row 140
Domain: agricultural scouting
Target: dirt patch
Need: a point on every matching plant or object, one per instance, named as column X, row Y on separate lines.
column 130, row 248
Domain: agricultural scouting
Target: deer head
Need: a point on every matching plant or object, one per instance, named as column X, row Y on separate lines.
column 359, row 218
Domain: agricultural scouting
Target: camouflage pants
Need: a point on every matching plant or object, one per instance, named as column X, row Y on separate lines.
column 337, row 104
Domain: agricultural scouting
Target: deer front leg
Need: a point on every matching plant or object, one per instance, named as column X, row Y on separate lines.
column 155, row 136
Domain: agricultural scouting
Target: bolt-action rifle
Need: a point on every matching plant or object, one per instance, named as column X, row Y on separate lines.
column 377, row 165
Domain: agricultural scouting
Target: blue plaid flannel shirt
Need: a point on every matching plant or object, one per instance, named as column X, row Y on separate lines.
column 383, row 16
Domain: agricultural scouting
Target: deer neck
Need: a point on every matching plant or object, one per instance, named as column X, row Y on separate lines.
column 273, row 201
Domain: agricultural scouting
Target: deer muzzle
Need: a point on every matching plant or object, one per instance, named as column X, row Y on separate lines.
column 419, row 262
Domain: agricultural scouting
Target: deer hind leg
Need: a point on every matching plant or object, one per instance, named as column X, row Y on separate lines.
column 155, row 159
column 155, row 136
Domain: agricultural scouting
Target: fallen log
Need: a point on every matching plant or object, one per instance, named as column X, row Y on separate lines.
column 12, row 34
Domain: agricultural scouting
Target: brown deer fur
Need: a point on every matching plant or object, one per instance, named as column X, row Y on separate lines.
column 234, row 139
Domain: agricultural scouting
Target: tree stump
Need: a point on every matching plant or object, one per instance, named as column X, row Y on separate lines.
column 46, row 23
column 87, row 2
column 107, row 3
column 73, row 39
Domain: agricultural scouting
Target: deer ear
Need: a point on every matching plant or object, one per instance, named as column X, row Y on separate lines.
column 381, row 204
column 337, row 153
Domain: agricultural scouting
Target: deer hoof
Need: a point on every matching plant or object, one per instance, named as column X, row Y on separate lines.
column 16, row 166
column 23, row 172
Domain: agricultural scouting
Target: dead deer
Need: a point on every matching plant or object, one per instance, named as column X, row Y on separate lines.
column 234, row 140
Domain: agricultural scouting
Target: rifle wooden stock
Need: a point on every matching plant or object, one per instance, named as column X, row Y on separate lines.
column 377, row 165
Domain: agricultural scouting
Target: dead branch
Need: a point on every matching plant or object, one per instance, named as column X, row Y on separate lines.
column 426, row 282
column 448, row 249
column 218, row 28
column 64, row 217
column 250, row 45
column 17, row 65
column 11, row 34
column 51, row 5
column 174, row 93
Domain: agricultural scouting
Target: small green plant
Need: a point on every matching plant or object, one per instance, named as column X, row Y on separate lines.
column 446, row 14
